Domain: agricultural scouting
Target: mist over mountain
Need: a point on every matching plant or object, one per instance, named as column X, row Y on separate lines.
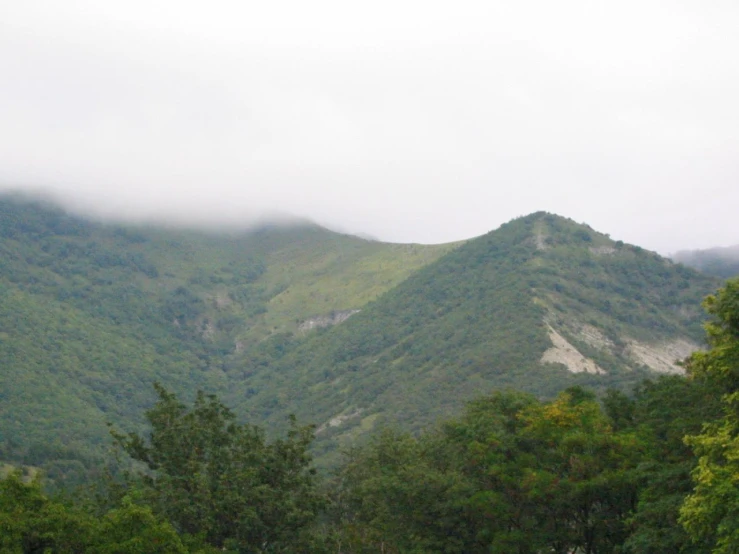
column 413, row 123
column 720, row 261
column 369, row 277
column 346, row 333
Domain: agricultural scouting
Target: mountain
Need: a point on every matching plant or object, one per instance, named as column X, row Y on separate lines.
column 538, row 304
column 346, row 333
column 722, row 261
column 91, row 314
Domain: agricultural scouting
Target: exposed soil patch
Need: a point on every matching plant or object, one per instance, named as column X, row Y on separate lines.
column 562, row 352
column 592, row 336
column 540, row 240
column 334, row 318
column 338, row 420
column 602, row 250
column 661, row 357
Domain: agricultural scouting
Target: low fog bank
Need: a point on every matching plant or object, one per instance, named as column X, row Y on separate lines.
column 722, row 261
column 234, row 217
column 729, row 253
column 409, row 121
column 726, row 252
column 239, row 222
column 169, row 214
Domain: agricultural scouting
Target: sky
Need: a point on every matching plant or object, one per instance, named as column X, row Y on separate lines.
column 408, row 121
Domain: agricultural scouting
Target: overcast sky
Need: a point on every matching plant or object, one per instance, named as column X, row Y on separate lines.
column 412, row 121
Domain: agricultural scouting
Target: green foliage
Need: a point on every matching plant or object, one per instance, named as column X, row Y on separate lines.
column 660, row 414
column 91, row 314
column 132, row 529
column 221, row 481
column 397, row 496
column 32, row 522
column 711, row 512
column 472, row 322
column 511, row 475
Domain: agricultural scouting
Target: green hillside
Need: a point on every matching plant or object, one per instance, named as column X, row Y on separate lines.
column 92, row 314
column 484, row 317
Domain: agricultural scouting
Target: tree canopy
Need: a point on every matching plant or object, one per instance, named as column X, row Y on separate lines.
column 219, row 480
column 711, row 512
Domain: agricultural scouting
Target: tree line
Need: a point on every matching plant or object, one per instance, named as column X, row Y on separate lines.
column 650, row 472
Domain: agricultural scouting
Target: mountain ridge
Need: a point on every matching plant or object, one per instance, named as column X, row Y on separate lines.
column 117, row 307
column 437, row 339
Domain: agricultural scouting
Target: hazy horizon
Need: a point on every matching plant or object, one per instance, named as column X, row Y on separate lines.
column 406, row 121
column 275, row 219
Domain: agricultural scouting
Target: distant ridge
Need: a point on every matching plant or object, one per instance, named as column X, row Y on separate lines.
column 721, row 261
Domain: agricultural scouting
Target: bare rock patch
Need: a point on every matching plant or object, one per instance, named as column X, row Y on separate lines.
column 562, row 352
column 661, row 357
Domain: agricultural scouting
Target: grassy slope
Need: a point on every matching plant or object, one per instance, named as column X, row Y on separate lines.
column 301, row 271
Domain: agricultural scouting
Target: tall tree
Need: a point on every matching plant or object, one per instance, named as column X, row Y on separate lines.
column 711, row 512
column 31, row 522
column 512, row 475
column 222, row 481
column 661, row 413
column 581, row 480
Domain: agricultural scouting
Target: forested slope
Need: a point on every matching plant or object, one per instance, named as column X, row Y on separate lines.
column 480, row 319
column 91, row 314
column 649, row 472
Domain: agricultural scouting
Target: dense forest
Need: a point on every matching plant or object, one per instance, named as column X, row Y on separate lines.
column 653, row 471
column 475, row 320
column 92, row 313
column 348, row 334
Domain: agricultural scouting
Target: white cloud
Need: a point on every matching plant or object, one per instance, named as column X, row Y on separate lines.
column 411, row 121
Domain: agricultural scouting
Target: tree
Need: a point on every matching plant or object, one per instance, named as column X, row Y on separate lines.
column 581, row 479
column 222, row 481
column 31, row 522
column 711, row 512
column 396, row 495
column 661, row 413
column 131, row 529
column 512, row 475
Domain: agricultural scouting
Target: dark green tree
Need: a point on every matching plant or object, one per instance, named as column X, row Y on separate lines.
column 222, row 481
column 397, row 494
column 580, row 479
column 711, row 512
column 661, row 413
column 512, row 475
column 31, row 523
